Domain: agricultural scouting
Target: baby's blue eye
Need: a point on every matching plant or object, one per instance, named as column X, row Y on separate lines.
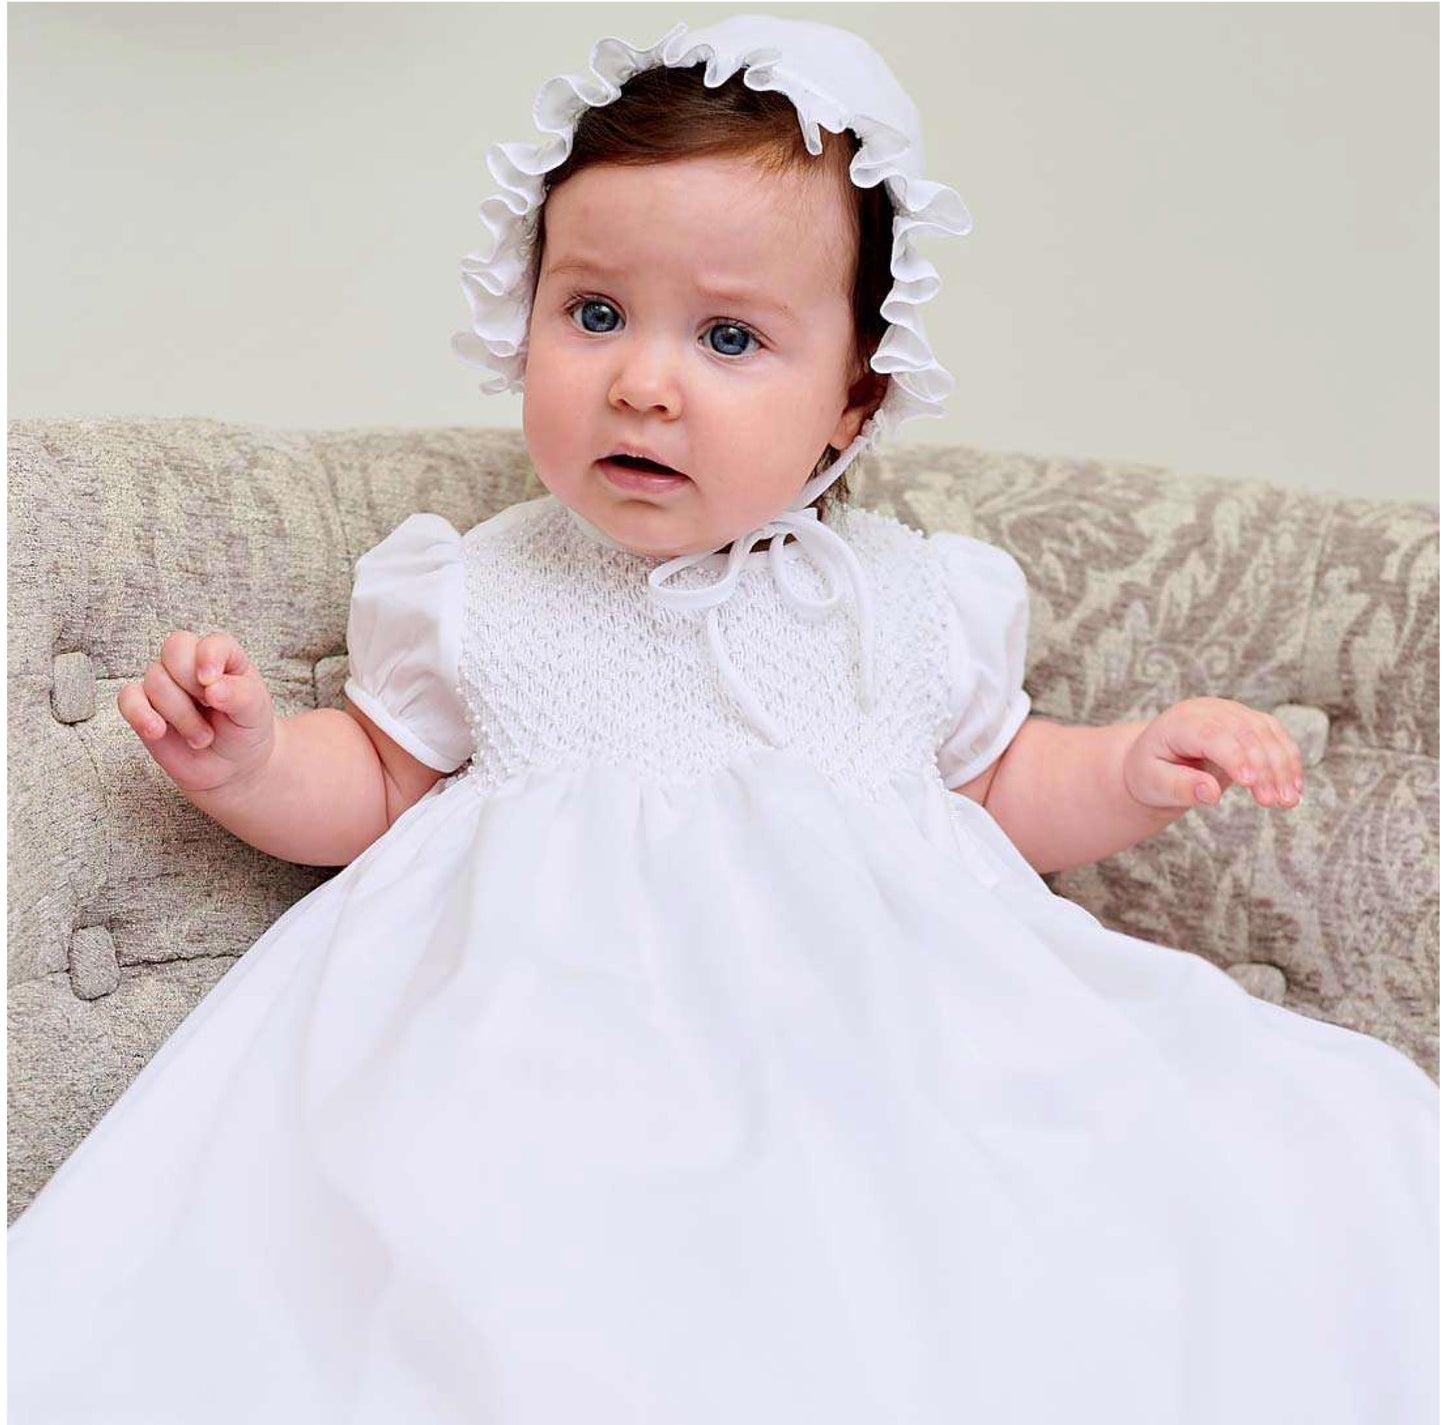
column 590, row 305
column 742, row 332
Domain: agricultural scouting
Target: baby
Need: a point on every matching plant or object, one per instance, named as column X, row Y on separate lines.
column 709, row 1049
column 699, row 314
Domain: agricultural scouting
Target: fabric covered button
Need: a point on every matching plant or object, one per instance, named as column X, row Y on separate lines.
column 72, row 687
column 94, row 968
column 327, row 677
column 1310, row 728
column 1262, row 980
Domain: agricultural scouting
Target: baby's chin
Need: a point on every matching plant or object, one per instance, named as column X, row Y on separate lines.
column 652, row 532
column 627, row 534
column 718, row 543
column 646, row 530
column 655, row 550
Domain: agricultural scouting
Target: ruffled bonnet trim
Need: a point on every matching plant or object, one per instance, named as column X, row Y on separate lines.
column 835, row 82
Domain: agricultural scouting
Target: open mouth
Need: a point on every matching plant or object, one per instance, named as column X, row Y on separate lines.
column 638, row 462
column 641, row 476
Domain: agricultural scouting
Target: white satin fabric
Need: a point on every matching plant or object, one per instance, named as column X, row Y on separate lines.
column 748, row 1099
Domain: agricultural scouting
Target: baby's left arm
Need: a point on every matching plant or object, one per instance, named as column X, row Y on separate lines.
column 1069, row 796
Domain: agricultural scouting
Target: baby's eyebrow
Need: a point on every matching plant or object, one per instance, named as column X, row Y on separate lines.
column 720, row 292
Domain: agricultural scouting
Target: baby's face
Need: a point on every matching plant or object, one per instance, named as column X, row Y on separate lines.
column 711, row 324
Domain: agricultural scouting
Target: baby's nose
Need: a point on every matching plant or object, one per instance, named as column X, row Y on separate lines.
column 648, row 380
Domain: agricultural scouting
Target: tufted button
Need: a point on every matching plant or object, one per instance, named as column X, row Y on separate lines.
column 72, row 687
column 94, row 968
column 1262, row 980
column 328, row 675
column 1310, row 728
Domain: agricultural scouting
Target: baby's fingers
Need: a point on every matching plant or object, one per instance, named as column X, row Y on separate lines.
column 1286, row 770
column 162, row 695
column 1256, row 751
column 218, row 654
column 217, row 673
column 243, row 698
column 136, row 709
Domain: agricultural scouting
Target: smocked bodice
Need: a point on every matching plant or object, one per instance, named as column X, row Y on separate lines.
column 566, row 660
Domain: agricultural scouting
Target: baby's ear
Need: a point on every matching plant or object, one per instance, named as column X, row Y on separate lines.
column 865, row 395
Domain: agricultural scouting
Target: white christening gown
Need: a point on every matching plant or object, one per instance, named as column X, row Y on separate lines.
column 648, row 1073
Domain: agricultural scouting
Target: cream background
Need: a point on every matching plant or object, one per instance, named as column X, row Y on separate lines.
column 1205, row 235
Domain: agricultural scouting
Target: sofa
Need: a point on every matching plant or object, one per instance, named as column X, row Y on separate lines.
column 127, row 904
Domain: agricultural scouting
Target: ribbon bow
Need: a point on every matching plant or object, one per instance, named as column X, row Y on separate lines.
column 829, row 553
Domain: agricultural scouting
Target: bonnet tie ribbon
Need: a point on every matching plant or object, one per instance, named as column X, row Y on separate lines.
column 830, row 554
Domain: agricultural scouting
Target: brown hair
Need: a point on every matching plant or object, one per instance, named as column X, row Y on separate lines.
column 664, row 114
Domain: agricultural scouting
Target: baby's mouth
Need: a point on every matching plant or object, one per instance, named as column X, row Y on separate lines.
column 642, row 475
column 638, row 462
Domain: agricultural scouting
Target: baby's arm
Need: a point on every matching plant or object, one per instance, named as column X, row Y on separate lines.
column 333, row 784
column 1058, row 794
column 1069, row 796
column 317, row 788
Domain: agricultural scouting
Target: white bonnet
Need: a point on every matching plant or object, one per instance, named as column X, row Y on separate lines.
column 836, row 81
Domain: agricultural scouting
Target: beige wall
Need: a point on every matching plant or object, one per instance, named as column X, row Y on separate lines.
column 1205, row 235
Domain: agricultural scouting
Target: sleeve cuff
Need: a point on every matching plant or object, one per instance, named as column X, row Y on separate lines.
column 1018, row 711
column 399, row 733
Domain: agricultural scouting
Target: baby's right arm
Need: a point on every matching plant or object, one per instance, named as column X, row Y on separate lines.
column 317, row 788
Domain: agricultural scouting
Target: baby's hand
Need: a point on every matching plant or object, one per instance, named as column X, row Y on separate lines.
column 202, row 710
column 1191, row 752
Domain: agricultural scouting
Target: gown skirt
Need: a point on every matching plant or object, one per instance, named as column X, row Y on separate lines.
column 749, row 1100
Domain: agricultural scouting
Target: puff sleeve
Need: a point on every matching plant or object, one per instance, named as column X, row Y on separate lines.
column 404, row 639
column 988, row 605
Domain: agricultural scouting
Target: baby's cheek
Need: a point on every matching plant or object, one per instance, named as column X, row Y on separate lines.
column 546, row 427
